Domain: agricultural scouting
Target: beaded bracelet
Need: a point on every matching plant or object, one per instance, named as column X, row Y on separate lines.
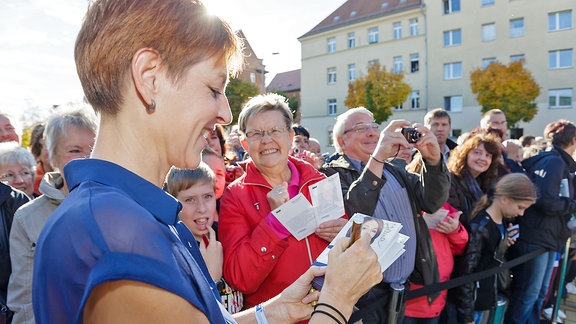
column 332, row 308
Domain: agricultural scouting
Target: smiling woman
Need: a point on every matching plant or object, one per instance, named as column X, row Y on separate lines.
column 17, row 167
column 114, row 251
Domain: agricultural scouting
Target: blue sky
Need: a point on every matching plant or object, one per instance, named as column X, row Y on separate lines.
column 37, row 40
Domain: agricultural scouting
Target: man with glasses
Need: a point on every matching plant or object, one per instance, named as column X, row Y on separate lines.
column 373, row 186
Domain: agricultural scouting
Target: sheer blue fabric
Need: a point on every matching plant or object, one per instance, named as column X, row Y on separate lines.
column 115, row 225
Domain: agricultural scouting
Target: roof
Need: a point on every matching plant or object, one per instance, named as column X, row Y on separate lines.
column 286, row 81
column 355, row 11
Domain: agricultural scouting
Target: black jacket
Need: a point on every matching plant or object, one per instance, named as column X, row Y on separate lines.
column 545, row 223
column 10, row 200
column 485, row 237
column 428, row 192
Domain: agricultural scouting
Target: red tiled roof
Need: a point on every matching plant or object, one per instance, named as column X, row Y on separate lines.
column 286, row 81
column 354, row 11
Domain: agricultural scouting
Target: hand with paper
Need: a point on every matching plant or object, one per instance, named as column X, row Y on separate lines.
column 386, row 239
column 302, row 218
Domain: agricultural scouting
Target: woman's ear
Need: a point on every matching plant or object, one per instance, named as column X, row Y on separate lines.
column 145, row 69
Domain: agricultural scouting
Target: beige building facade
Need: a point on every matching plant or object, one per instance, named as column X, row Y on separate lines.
column 436, row 44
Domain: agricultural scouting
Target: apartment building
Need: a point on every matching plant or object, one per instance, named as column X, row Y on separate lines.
column 436, row 44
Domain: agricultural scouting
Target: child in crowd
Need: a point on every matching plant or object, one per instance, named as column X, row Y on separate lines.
column 195, row 189
column 490, row 237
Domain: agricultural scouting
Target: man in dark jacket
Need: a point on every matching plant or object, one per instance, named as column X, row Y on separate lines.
column 439, row 122
column 374, row 187
column 10, row 200
column 544, row 225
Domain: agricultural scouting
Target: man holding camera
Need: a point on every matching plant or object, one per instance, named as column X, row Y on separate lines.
column 373, row 186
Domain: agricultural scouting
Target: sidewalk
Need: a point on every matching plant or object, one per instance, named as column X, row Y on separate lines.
column 569, row 307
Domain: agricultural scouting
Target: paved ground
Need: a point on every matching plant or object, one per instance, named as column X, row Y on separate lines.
column 569, row 307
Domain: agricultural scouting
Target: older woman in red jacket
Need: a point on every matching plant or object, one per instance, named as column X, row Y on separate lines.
column 261, row 257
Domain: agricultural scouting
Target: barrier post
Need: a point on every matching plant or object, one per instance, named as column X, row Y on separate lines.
column 561, row 282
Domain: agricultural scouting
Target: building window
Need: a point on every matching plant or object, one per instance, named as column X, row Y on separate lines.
column 332, row 107
column 351, row 40
column 397, row 64
column 399, row 107
column 487, row 61
column 453, row 103
column 517, row 27
column 451, row 6
column 414, row 27
column 397, row 30
column 373, row 35
column 414, row 63
column 487, row 3
column 415, row 99
column 517, row 57
column 373, row 62
column 453, row 71
column 560, row 20
column 560, row 98
column 351, row 72
column 252, row 77
column 331, row 44
column 488, row 32
column 452, row 38
column 331, row 75
column 560, row 59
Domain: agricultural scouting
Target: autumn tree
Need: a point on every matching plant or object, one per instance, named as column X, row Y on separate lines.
column 378, row 91
column 291, row 100
column 238, row 92
column 510, row 88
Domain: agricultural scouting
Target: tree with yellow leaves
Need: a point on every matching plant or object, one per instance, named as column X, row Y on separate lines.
column 378, row 91
column 510, row 88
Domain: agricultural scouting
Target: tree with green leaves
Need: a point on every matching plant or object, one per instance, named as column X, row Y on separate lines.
column 378, row 91
column 510, row 88
column 292, row 102
column 238, row 92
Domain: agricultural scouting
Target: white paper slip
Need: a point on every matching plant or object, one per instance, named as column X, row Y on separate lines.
column 297, row 215
column 387, row 241
column 433, row 219
column 327, row 199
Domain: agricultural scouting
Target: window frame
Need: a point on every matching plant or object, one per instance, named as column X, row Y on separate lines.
column 558, row 59
column 413, row 26
column 557, row 21
column 519, row 31
column 449, row 6
column 415, row 100
column 373, row 35
column 352, row 40
column 397, row 30
column 450, row 40
column 485, row 32
column 397, row 64
column 352, row 72
column 558, row 96
column 332, row 105
column 331, row 44
column 449, row 103
column 414, row 62
column 331, row 75
column 451, row 75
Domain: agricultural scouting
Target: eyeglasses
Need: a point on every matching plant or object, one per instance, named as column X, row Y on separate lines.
column 10, row 176
column 363, row 128
column 257, row 135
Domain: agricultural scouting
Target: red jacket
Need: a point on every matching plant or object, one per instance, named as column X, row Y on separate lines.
column 256, row 261
column 445, row 246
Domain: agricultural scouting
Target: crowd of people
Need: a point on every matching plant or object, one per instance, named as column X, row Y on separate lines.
column 159, row 211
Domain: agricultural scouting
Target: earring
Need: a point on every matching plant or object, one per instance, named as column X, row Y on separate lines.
column 150, row 108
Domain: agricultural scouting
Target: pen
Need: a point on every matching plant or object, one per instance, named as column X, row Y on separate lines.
column 354, row 236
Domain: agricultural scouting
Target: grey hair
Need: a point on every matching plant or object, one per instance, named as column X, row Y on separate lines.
column 12, row 152
column 263, row 103
column 338, row 130
column 58, row 123
column 487, row 115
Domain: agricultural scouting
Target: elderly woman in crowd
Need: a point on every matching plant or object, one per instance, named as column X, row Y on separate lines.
column 17, row 167
column 113, row 251
column 7, row 130
column 261, row 257
column 68, row 135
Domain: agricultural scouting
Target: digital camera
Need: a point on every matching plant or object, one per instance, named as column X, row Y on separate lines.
column 411, row 134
